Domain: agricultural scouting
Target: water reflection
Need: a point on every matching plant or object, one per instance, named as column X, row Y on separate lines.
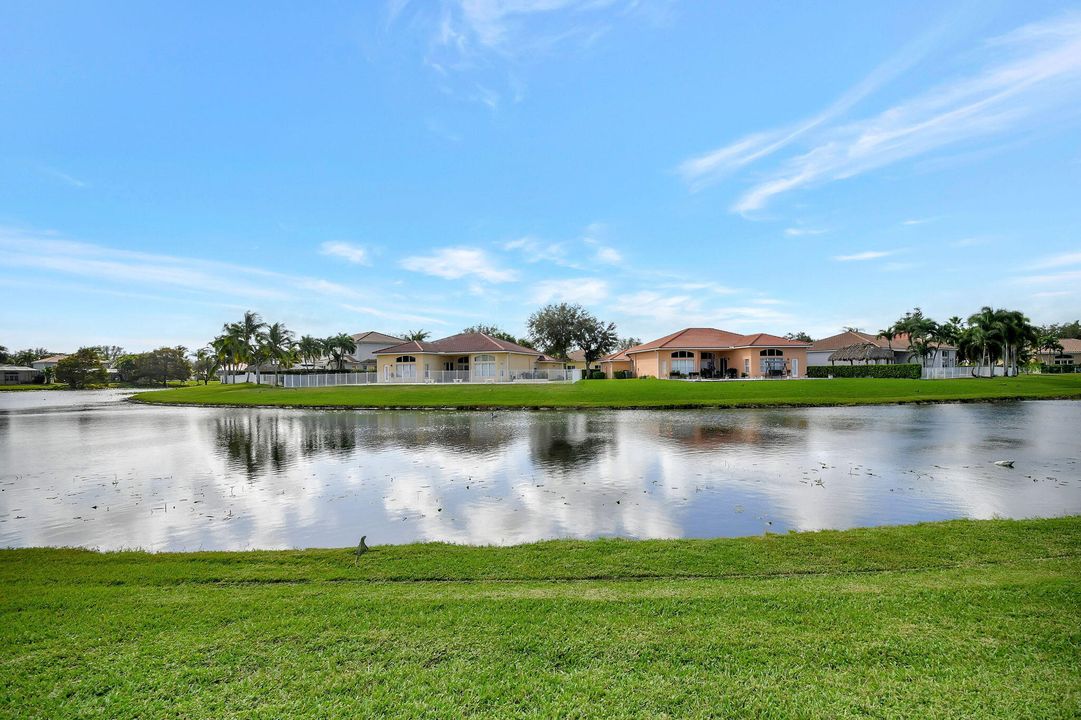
column 114, row 475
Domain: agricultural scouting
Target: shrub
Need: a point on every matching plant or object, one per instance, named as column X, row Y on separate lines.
column 910, row 371
column 622, row 374
column 596, row 375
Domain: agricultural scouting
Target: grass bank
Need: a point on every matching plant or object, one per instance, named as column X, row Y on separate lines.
column 634, row 393
column 956, row 619
column 106, row 386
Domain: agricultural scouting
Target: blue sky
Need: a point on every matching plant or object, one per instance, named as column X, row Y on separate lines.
column 353, row 166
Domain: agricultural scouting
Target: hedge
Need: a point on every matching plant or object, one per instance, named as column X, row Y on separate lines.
column 909, row 371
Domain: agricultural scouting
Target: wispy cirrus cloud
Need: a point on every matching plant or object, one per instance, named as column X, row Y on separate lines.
column 454, row 263
column 1055, row 261
column 865, row 255
column 1019, row 78
column 64, row 177
column 477, row 48
column 535, row 250
column 800, row 232
column 347, row 251
column 576, row 290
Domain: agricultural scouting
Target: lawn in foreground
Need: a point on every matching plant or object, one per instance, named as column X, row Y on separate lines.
column 957, row 619
column 635, row 393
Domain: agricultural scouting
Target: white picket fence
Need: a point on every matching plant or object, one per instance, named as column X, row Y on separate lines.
column 435, row 377
column 440, row 377
column 960, row 372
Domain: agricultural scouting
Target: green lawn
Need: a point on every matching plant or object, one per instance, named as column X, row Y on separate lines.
column 112, row 385
column 635, row 393
column 961, row 620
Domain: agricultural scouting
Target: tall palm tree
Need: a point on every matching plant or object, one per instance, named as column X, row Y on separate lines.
column 278, row 345
column 311, row 349
column 231, row 348
column 418, row 335
column 988, row 322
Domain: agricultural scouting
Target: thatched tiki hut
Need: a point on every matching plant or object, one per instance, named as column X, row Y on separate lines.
column 863, row 352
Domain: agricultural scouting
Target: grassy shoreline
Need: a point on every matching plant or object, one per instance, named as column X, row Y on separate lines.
column 954, row 619
column 631, row 394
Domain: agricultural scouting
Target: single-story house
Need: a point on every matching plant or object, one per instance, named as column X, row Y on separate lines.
column 712, row 353
column 367, row 343
column 576, row 359
column 853, row 347
column 466, row 357
column 1069, row 355
column 47, row 362
column 17, row 374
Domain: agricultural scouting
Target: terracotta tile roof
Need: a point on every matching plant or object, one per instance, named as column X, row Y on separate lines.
column 620, row 356
column 51, row 358
column 1070, row 345
column 706, row 338
column 850, row 337
column 576, row 356
column 377, row 337
column 460, row 343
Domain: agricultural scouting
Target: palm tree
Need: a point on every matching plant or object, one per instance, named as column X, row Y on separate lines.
column 206, row 363
column 231, row 348
column 889, row 334
column 988, row 324
column 339, row 346
column 278, row 345
column 311, row 349
column 417, row 335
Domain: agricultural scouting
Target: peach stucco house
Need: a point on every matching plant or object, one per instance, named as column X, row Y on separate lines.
column 712, row 353
column 466, row 357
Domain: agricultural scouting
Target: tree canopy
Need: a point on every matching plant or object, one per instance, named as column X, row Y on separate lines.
column 82, row 369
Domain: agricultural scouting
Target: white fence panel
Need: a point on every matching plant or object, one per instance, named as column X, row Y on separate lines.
column 960, row 372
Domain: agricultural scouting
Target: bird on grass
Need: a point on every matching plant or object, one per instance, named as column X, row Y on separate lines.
column 361, row 549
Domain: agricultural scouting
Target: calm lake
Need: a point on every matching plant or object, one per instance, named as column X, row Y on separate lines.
column 89, row 469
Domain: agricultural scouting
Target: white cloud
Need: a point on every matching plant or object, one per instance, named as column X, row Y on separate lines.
column 609, row 255
column 917, row 221
column 1041, row 75
column 1056, row 261
column 865, row 255
column 347, row 251
column 459, row 262
column 797, row 232
column 64, row 177
column 535, row 250
column 586, row 291
column 722, row 162
column 391, row 315
column 1070, row 278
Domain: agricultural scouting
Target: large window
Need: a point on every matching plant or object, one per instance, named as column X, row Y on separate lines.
column 683, row 362
column 405, row 366
column 772, row 362
column 484, row 366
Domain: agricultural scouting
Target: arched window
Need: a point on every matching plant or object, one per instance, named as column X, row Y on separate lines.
column 405, row 367
column 484, row 366
column 772, row 362
column 683, row 362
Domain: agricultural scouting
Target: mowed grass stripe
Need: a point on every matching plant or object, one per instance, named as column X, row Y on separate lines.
column 633, row 393
column 1001, row 640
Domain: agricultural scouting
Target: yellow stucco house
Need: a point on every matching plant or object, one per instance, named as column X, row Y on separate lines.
column 466, row 357
column 712, row 354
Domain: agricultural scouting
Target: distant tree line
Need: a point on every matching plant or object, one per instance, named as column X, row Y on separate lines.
column 987, row 337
